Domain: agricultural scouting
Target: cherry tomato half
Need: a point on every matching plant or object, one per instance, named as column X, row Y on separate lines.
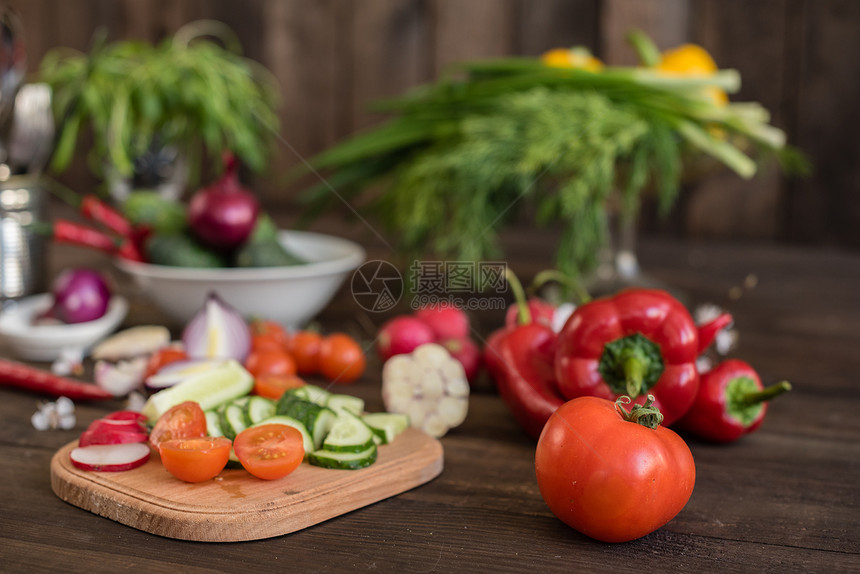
column 195, row 459
column 273, row 385
column 162, row 357
column 341, row 358
column 305, row 349
column 185, row 420
column 270, row 451
column 267, row 362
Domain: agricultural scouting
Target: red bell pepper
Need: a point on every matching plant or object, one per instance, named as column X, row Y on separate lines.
column 731, row 402
column 636, row 343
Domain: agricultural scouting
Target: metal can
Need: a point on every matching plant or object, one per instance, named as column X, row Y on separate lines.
column 22, row 250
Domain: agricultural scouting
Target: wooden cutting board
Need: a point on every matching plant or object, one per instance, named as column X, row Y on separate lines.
column 235, row 506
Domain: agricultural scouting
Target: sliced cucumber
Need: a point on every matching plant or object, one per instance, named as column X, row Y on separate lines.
column 348, row 434
column 307, row 440
column 257, row 409
column 339, row 403
column 209, row 389
column 213, row 423
column 316, row 394
column 233, row 420
column 343, row 460
column 386, row 426
column 319, row 423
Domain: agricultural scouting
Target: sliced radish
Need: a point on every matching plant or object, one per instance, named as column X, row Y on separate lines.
column 110, row 436
column 126, row 416
column 110, row 458
column 109, row 425
column 429, row 386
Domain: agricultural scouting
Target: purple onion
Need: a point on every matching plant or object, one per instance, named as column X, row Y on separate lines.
column 223, row 215
column 80, row 295
column 217, row 331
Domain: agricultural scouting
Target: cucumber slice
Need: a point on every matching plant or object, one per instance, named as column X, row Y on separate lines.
column 319, row 423
column 232, row 420
column 348, row 434
column 257, row 409
column 213, row 423
column 339, row 403
column 386, row 425
column 343, row 460
column 316, row 394
column 218, row 385
column 307, row 440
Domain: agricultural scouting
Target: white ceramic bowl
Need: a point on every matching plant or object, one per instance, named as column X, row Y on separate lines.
column 290, row 295
column 47, row 342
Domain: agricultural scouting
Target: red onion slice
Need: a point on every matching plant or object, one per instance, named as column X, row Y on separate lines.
column 217, row 331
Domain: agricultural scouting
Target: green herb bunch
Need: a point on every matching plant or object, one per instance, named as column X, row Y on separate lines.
column 461, row 156
column 188, row 91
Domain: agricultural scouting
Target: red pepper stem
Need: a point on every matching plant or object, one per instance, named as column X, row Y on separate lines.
column 766, row 394
column 572, row 283
column 634, row 374
column 524, row 315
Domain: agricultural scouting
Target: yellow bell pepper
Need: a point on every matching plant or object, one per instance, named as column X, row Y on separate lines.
column 577, row 57
column 692, row 60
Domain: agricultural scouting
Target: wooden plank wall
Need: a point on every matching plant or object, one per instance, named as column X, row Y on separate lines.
column 332, row 57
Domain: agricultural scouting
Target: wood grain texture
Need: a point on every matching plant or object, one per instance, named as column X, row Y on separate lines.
column 235, row 506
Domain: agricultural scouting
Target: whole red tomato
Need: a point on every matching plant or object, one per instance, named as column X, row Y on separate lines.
column 341, row 358
column 607, row 476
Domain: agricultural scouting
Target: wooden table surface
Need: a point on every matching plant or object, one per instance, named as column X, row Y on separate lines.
column 785, row 499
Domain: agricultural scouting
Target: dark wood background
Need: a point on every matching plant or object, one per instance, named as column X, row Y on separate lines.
column 332, row 57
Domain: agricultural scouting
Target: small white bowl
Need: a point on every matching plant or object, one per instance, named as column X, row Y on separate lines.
column 290, row 295
column 47, row 342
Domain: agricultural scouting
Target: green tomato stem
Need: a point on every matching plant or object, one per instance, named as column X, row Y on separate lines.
column 646, row 415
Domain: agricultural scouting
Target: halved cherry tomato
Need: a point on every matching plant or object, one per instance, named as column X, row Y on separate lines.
column 270, row 451
column 273, row 385
column 195, row 459
column 266, row 362
column 341, row 358
column 185, row 420
column 305, row 349
column 162, row 357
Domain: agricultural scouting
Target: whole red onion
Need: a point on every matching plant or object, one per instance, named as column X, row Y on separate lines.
column 223, row 214
column 80, row 295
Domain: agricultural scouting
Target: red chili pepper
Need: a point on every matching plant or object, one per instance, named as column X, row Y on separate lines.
column 731, row 402
column 65, row 231
column 636, row 343
column 520, row 357
column 95, row 209
column 29, row 378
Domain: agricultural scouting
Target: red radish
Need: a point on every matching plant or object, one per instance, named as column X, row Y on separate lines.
column 110, row 436
column 223, row 215
column 541, row 312
column 468, row 353
column 110, row 457
column 445, row 320
column 401, row 335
